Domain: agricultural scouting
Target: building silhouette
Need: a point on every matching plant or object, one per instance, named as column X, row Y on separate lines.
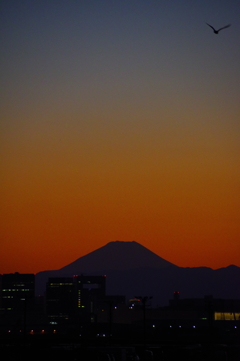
column 16, row 291
column 74, row 299
column 79, row 304
column 17, row 300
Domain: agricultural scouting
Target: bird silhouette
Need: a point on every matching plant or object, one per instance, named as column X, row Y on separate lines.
column 217, row 31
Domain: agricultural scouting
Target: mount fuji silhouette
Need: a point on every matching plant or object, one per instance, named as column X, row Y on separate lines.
column 119, row 256
column 133, row 269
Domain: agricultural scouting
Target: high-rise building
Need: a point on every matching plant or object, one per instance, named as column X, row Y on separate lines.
column 60, row 299
column 90, row 291
column 74, row 298
column 17, row 291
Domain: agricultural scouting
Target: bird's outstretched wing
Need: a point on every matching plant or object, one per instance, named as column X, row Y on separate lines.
column 224, row 27
column 211, row 27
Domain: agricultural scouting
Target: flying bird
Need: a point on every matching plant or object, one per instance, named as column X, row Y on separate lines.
column 217, row 31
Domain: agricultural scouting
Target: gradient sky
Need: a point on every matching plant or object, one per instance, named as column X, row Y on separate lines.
column 120, row 120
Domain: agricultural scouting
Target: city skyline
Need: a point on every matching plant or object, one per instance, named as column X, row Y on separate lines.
column 132, row 269
column 119, row 122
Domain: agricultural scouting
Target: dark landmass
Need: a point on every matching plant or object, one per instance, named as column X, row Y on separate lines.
column 132, row 269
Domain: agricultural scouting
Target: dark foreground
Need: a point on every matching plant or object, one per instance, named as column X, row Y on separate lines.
column 199, row 345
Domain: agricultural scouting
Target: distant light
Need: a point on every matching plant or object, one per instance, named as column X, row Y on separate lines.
column 180, row 326
column 194, row 326
column 170, row 326
column 42, row 331
column 115, row 308
column 153, row 326
column 9, row 331
column 235, row 326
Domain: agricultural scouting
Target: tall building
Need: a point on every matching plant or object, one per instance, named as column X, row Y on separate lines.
column 17, row 291
column 74, row 299
column 91, row 290
column 60, row 299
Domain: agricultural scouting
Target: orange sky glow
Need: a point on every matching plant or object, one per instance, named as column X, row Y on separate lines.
column 116, row 131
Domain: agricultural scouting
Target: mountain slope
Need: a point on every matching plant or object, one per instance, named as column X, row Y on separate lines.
column 118, row 256
column 132, row 269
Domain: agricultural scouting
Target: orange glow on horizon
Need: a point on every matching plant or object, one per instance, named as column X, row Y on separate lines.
column 115, row 128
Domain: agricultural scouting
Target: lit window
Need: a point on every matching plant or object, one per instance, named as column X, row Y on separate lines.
column 226, row 316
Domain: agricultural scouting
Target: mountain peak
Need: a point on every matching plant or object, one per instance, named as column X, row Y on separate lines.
column 133, row 269
column 117, row 255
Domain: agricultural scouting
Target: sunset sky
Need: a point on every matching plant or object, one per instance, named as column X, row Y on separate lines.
column 120, row 120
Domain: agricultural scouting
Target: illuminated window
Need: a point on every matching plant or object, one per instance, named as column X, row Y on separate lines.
column 79, row 298
column 226, row 316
